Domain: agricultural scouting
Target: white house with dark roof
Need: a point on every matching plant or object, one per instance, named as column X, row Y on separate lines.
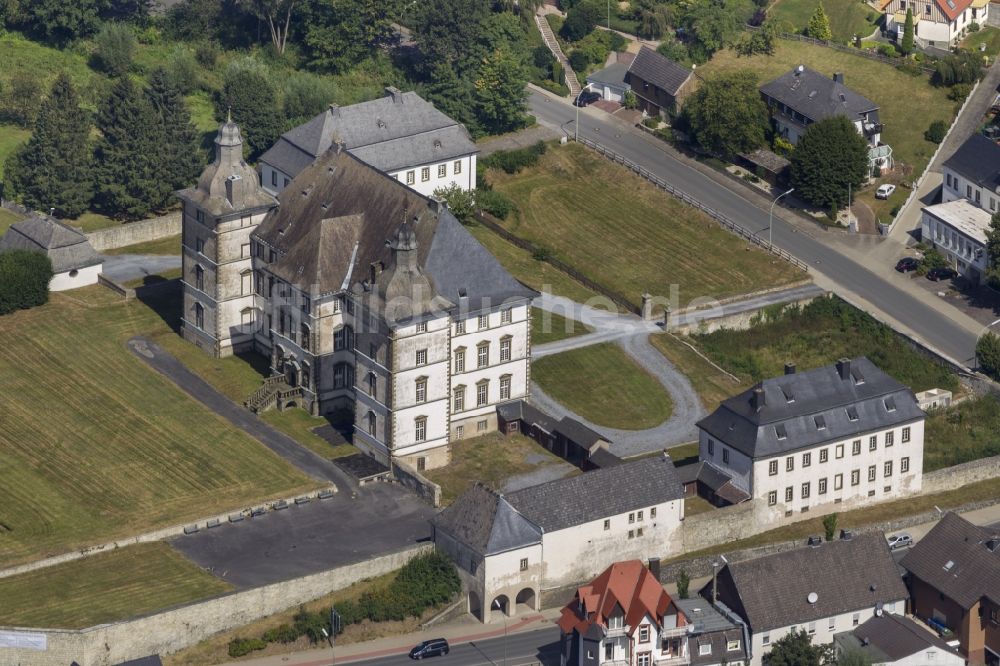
column 843, row 433
column 957, row 229
column 399, row 134
column 938, row 23
column 973, row 173
column 896, row 640
column 822, row 590
column 803, row 96
column 510, row 547
column 74, row 261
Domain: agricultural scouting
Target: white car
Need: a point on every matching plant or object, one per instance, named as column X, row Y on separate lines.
column 899, row 541
column 884, row 191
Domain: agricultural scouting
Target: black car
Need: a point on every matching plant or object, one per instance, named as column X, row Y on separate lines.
column 586, row 97
column 432, row 648
column 938, row 274
column 907, row 264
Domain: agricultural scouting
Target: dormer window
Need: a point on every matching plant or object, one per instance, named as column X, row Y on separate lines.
column 780, row 432
column 890, row 404
column 732, row 646
column 820, row 422
column 852, row 413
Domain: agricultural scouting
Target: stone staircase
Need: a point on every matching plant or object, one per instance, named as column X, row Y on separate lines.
column 550, row 40
column 272, row 391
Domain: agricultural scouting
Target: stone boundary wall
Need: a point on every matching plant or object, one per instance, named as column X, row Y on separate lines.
column 409, row 477
column 131, row 233
column 738, row 321
column 178, row 628
column 125, row 292
column 209, row 522
column 963, row 474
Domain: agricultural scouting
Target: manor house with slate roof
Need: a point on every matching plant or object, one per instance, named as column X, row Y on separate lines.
column 364, row 294
column 510, row 547
column 843, row 433
column 400, row 134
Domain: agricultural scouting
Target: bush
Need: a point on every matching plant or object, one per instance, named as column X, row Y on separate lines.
column 651, row 122
column 240, row 647
column 306, row 95
column 542, row 57
column 512, row 161
column 959, row 92
column 973, row 27
column 541, row 254
column 461, row 203
column 494, row 203
column 888, row 50
column 114, row 48
column 631, row 101
column 22, row 99
column 962, row 67
column 24, row 280
column 283, row 633
column 988, row 354
column 578, row 60
column 206, row 53
column 936, row 132
column 931, row 259
column 182, row 70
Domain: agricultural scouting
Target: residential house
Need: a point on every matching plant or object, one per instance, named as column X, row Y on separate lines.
column 803, row 96
column 510, row 547
column 610, row 82
column 954, row 581
column 623, row 617
column 844, row 433
column 939, row 23
column 74, row 261
column 660, row 84
column 366, row 296
column 957, row 229
column 399, row 134
column 716, row 636
column 973, row 173
column 896, row 640
column 821, row 589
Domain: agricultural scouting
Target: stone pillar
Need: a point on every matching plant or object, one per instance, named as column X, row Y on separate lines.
column 647, row 307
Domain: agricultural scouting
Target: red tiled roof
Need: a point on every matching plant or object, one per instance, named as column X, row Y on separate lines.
column 627, row 584
column 952, row 8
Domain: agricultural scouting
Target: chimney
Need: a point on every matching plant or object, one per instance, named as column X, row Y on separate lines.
column 654, row 568
column 395, row 94
column 758, row 400
column 789, row 368
column 846, row 535
column 334, row 110
column 232, row 182
column 838, row 77
column 844, row 368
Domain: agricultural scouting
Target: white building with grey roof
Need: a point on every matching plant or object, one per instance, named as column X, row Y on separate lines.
column 512, row 547
column 74, row 261
column 846, row 433
column 400, row 134
column 896, row 640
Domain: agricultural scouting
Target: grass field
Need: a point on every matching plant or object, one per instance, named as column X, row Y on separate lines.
column 712, row 385
column 847, row 17
column 11, row 137
column 7, row 218
column 298, row 424
column 908, row 104
column 103, row 588
column 967, row 431
column 989, row 36
column 588, row 379
column 92, row 222
column 550, row 327
column 491, row 459
column 168, row 245
column 623, row 233
column 94, row 444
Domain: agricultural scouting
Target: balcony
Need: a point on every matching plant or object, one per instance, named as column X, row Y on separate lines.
column 672, row 660
column 675, row 632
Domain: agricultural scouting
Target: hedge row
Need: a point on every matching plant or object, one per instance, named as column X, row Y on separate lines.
column 24, row 280
column 512, row 161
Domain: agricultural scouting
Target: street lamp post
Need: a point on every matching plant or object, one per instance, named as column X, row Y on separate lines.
column 770, row 216
column 496, row 604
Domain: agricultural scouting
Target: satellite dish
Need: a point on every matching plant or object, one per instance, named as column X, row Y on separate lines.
column 812, row 598
column 878, row 609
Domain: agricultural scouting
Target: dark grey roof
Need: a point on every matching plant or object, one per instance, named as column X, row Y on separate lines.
column 954, row 558
column 603, row 458
column 977, row 160
column 485, row 522
column 810, row 408
column 703, row 616
column 578, row 433
column 714, row 479
column 394, row 131
column 772, row 592
column 659, row 71
column 604, row 492
column 719, row 642
column 613, row 74
column 890, row 637
column 152, row 660
column 67, row 248
column 816, row 96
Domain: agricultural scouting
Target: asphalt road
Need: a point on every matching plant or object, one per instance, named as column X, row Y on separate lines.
column 532, row 647
column 928, row 323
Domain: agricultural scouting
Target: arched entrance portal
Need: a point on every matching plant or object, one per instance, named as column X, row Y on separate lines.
column 500, row 607
column 526, row 600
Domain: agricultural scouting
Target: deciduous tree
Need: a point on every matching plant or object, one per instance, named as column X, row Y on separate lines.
column 277, row 14
column 250, row 97
column 726, row 115
column 988, row 354
column 500, row 93
column 796, row 649
column 829, row 158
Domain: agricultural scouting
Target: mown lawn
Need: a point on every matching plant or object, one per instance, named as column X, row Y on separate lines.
column 298, row 424
column 106, row 587
column 11, row 137
column 967, row 431
column 908, row 104
column 551, row 327
column 589, row 379
column 168, row 245
column 623, row 233
column 94, row 444
column 712, row 385
column 7, row 218
column 847, row 17
column 989, row 36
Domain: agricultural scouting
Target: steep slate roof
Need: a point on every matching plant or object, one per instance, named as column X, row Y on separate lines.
column 485, row 522
column 576, row 432
column 613, row 74
column 66, row 248
column 527, row 414
column 816, row 96
column 975, row 569
column 628, row 585
column 714, row 479
column 890, row 637
column 335, row 218
column 395, row 131
column 977, row 160
column 802, row 402
column 772, row 592
column 659, row 71
column 604, row 492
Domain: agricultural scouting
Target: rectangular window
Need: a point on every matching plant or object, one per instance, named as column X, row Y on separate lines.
column 609, row 651
column 505, row 388
column 890, row 437
column 274, row 178
column 420, row 429
column 505, row 350
column 410, row 178
column 887, row 468
column 421, row 357
column 872, row 443
column 856, row 447
column 460, row 327
column 484, row 322
column 789, row 493
column 199, row 245
column 904, row 465
column 506, row 316
column 483, row 358
column 457, row 167
column 482, row 394
column 833, row 624
column 821, row 486
column 805, row 490
column 772, row 468
column 704, row 649
column 772, row 498
column 871, row 472
column 711, row 447
column 840, row 450
column 442, row 170
column 856, row 619
column 631, row 518
column 481, row 426
column 905, row 436
column 459, row 360
column 644, row 634
column 460, row 431
column 806, row 459
column 607, row 524
column 824, row 455
column 855, row 477
column 725, row 455
column 459, row 398
column 421, row 390
column 421, row 327
column 838, row 481
column 732, row 646
column 524, row 564
column 638, row 516
column 631, row 534
column 766, row 639
column 425, row 174
column 245, row 250
column 789, row 463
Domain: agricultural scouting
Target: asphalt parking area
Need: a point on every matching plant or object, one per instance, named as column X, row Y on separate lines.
column 310, row 538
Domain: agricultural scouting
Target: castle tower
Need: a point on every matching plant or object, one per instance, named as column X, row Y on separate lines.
column 220, row 314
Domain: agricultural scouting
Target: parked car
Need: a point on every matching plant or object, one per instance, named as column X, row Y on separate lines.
column 587, row 97
column 899, row 541
column 432, row 648
column 884, row 191
column 907, row 264
column 938, row 274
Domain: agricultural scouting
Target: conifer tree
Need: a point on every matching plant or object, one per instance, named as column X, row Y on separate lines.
column 128, row 183
column 819, row 25
column 906, row 45
column 181, row 158
column 53, row 169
